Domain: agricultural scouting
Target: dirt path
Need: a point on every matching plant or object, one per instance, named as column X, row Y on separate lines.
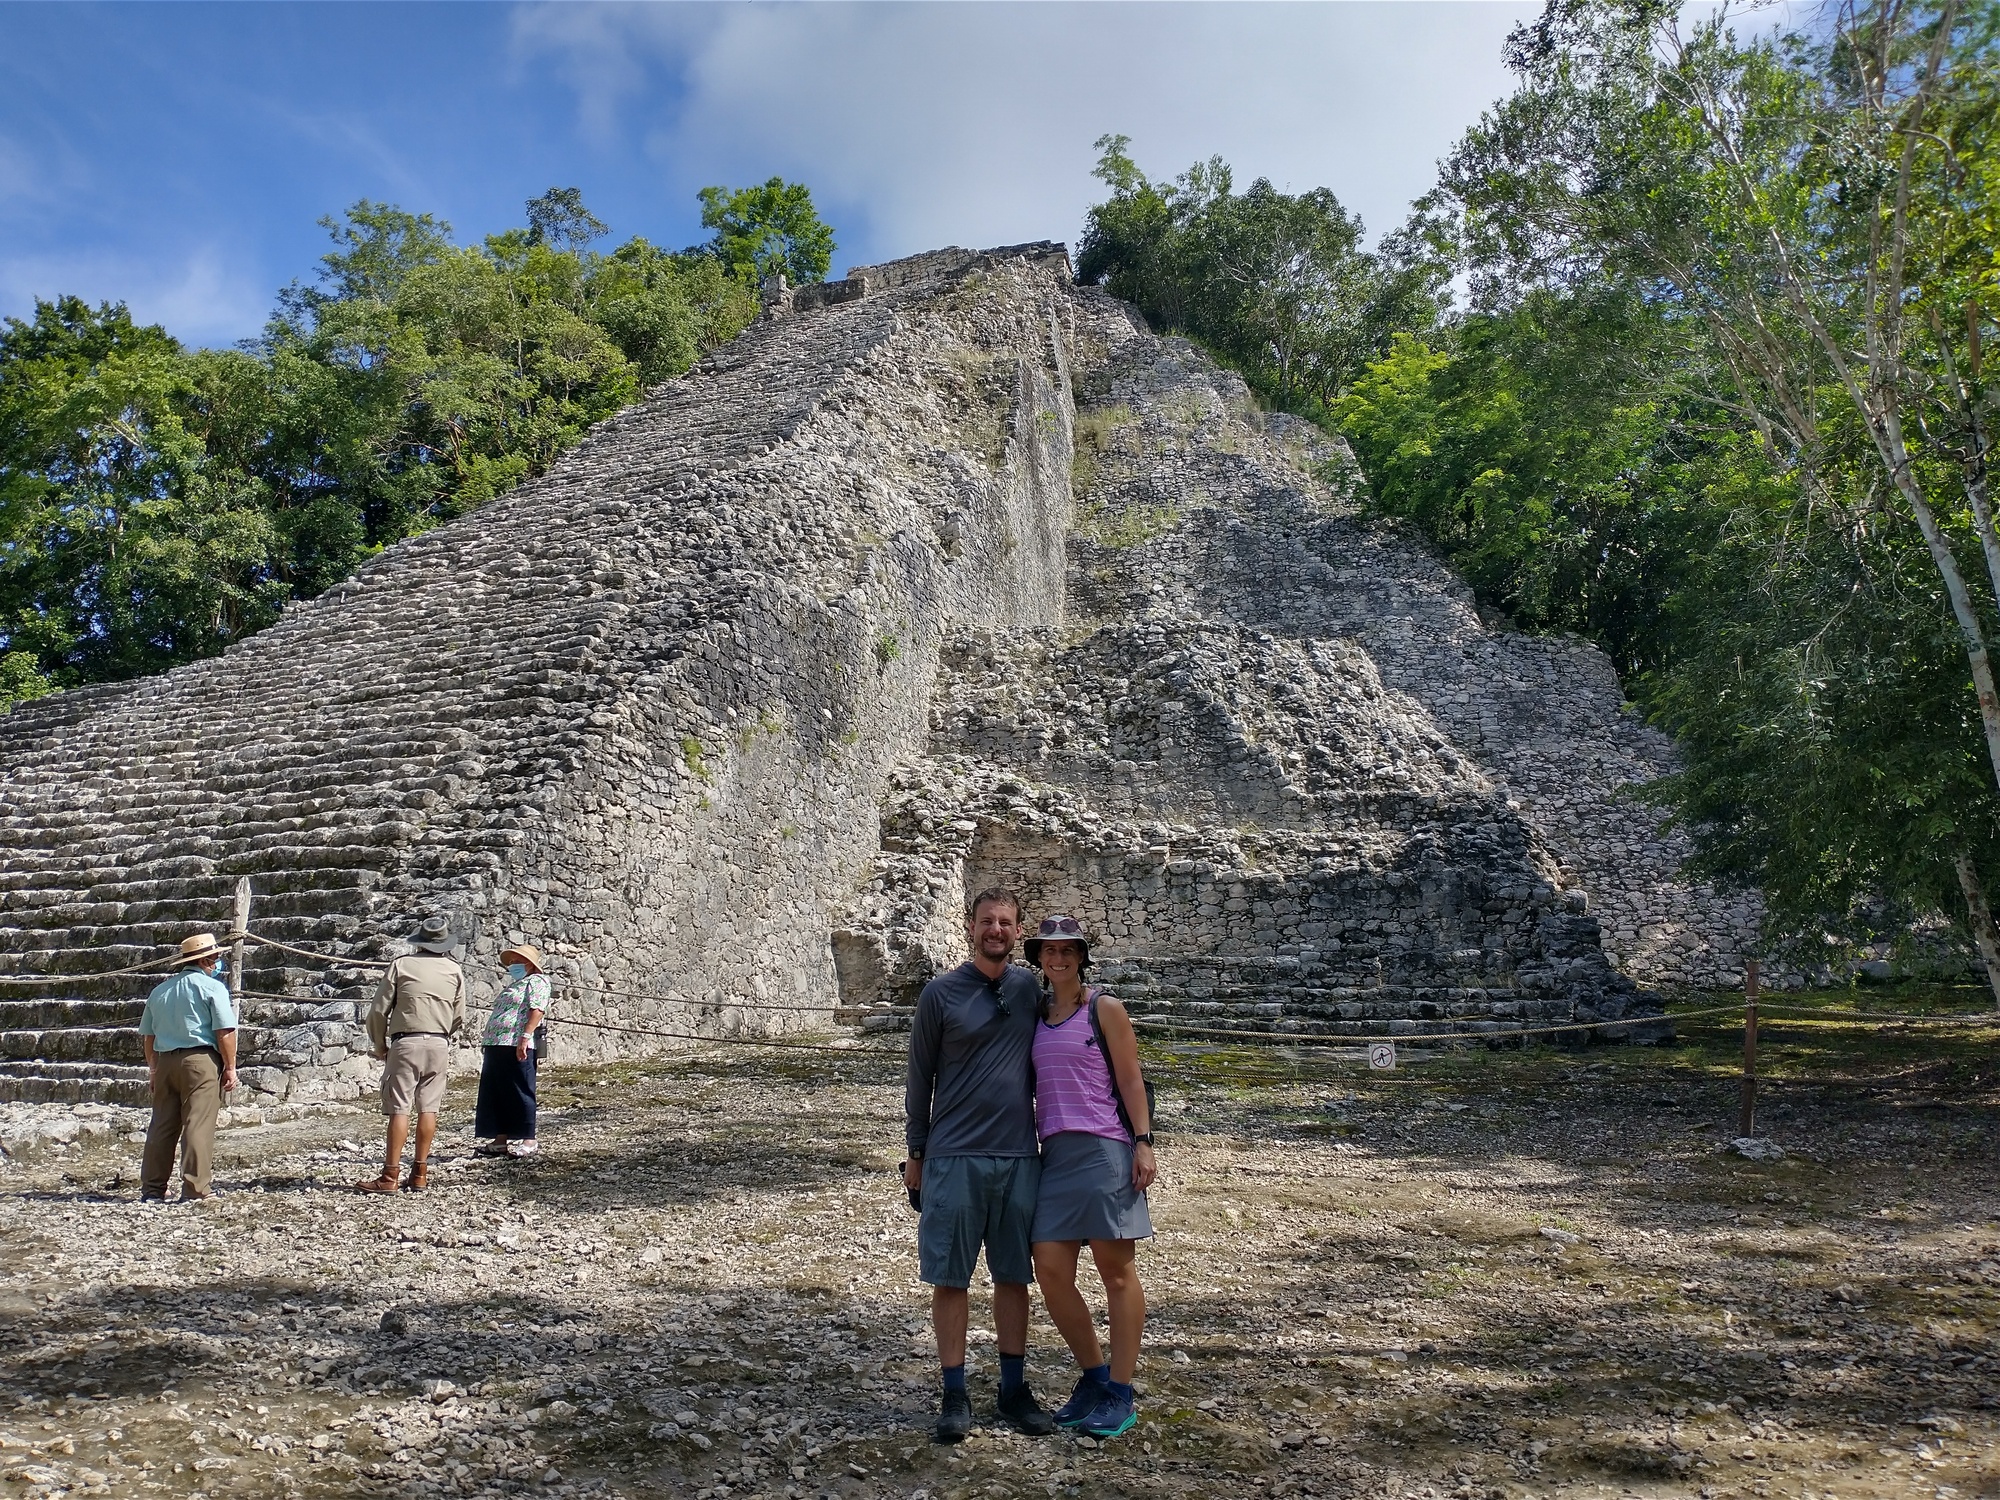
column 1511, row 1277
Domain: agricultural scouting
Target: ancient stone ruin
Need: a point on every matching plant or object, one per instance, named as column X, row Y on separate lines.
column 945, row 574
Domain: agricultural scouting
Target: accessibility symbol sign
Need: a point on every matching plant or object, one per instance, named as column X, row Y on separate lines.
column 1382, row 1056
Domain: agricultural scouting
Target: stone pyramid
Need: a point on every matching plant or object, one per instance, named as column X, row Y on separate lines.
column 946, row 574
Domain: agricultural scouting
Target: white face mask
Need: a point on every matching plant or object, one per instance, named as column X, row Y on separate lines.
column 517, row 971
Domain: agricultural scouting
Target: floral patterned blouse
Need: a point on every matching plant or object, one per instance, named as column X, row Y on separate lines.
column 509, row 1015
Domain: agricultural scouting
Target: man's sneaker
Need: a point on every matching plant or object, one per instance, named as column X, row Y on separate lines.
column 954, row 1419
column 1019, row 1407
column 1115, row 1414
column 1082, row 1401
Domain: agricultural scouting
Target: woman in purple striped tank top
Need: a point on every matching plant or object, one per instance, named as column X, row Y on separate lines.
column 1096, row 1130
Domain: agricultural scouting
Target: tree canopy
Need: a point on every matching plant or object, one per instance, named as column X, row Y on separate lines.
column 158, row 502
column 1720, row 400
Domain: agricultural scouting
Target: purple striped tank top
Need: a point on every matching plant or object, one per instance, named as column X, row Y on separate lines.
column 1073, row 1087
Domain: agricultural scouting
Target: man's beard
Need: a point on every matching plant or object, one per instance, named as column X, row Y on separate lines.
column 994, row 947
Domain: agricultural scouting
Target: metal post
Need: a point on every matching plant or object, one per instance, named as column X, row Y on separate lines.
column 1746, row 1120
column 237, row 949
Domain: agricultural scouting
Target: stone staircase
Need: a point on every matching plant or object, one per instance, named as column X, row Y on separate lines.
column 526, row 719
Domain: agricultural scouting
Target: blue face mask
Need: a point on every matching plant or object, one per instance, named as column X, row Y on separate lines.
column 517, row 971
column 221, row 967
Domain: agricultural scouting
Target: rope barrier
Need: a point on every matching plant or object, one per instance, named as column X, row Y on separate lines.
column 1501, row 1033
column 329, row 959
column 146, row 967
column 1864, row 1017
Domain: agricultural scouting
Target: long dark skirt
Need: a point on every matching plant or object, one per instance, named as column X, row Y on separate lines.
column 506, row 1095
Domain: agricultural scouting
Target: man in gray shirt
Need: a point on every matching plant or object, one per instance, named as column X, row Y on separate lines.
column 969, row 1118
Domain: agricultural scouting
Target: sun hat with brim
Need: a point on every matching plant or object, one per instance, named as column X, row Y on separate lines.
column 199, row 949
column 1057, row 929
column 523, row 953
column 433, row 935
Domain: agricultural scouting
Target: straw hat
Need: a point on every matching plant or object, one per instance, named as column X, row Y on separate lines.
column 523, row 953
column 199, row 949
column 1057, row 929
column 433, row 935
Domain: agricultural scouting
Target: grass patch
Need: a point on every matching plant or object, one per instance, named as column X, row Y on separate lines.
column 693, row 752
column 1127, row 526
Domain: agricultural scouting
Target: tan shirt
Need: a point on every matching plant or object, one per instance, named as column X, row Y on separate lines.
column 423, row 992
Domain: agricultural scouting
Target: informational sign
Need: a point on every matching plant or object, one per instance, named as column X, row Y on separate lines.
column 1382, row 1056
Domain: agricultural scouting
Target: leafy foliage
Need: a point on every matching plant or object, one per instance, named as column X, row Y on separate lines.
column 1806, row 223
column 1276, row 284
column 157, row 503
column 768, row 228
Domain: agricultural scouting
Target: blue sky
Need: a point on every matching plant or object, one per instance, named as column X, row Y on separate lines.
column 176, row 157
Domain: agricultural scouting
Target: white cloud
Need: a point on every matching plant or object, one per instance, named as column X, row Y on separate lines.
column 199, row 297
column 919, row 126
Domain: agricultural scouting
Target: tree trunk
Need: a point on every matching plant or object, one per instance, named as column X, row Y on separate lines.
column 1980, row 917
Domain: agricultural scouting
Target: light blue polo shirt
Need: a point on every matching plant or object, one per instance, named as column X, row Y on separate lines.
column 187, row 1011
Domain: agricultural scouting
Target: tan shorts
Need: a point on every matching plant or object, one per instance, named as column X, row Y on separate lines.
column 414, row 1076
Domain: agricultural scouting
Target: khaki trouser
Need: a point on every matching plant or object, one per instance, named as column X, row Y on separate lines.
column 187, row 1093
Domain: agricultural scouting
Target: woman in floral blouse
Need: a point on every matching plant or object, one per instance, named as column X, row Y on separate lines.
column 506, row 1114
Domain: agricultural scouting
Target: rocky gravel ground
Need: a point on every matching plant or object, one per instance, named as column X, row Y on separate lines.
column 1476, row 1277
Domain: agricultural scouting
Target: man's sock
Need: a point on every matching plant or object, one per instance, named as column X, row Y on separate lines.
column 954, row 1377
column 1099, row 1373
column 1122, row 1392
column 1013, row 1370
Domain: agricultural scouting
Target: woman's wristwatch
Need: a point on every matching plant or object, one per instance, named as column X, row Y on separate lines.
column 1143, row 1140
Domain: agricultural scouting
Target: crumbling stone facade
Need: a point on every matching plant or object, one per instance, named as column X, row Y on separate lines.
column 946, row 573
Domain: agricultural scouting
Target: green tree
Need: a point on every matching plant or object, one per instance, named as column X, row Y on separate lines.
column 123, row 547
column 1275, row 284
column 768, row 228
column 1812, row 211
column 156, row 503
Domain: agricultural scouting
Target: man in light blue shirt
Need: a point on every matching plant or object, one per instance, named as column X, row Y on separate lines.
column 189, row 1032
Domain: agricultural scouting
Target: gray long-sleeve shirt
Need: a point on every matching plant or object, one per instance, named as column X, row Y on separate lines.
column 971, row 1082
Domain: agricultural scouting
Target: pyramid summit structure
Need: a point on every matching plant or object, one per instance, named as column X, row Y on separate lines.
column 945, row 575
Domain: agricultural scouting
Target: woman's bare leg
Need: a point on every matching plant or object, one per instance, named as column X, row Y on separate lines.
column 1055, row 1273
column 1126, row 1301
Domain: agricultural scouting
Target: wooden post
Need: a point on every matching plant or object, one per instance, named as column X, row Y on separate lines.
column 237, row 949
column 1746, row 1120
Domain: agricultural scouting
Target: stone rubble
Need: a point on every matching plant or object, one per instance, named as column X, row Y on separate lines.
column 706, row 1285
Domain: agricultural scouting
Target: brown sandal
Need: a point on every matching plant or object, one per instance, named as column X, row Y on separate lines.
column 418, row 1179
column 384, row 1184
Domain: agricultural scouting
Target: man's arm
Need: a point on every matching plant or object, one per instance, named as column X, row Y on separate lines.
column 222, row 1021
column 920, row 1084
column 378, row 1013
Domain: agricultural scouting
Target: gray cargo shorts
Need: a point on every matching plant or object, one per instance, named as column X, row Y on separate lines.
column 975, row 1200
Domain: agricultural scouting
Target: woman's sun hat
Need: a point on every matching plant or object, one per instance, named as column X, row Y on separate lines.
column 199, row 949
column 433, row 935
column 1057, row 929
column 526, row 954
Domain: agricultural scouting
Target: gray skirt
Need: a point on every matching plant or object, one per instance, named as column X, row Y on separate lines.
column 1087, row 1191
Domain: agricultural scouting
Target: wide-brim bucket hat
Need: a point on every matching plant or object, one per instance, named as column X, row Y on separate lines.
column 199, row 949
column 433, row 935
column 526, row 954
column 1057, row 929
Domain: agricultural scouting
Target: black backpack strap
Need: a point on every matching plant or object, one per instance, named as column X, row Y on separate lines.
column 1117, row 1098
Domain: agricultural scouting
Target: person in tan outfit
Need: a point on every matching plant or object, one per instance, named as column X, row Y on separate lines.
column 188, row 1030
column 419, row 1007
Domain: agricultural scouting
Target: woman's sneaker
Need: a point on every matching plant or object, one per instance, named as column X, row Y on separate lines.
column 1113, row 1415
column 523, row 1148
column 1082, row 1401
